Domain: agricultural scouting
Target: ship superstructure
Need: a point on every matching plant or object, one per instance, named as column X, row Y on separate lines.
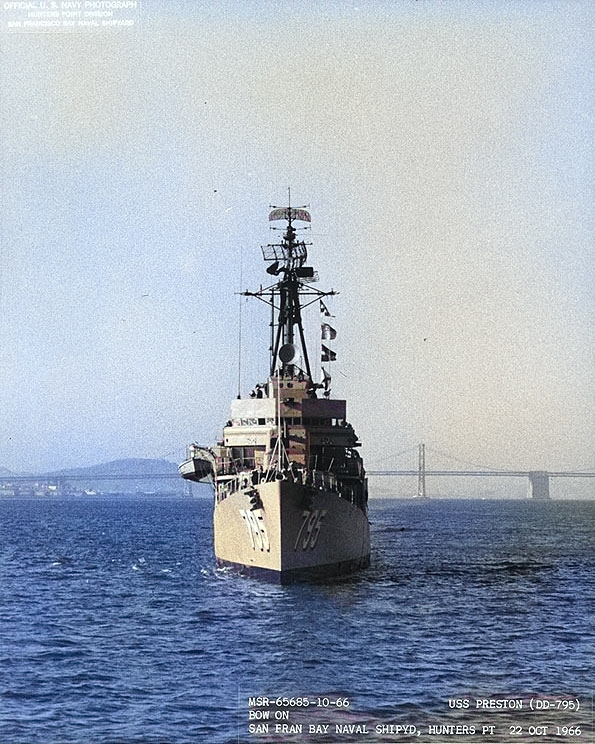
column 290, row 485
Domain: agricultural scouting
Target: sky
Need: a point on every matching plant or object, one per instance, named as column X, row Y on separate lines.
column 446, row 152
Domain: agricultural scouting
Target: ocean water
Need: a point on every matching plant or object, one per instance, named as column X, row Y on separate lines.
column 115, row 627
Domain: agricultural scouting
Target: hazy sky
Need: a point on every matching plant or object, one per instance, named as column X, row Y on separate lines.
column 446, row 150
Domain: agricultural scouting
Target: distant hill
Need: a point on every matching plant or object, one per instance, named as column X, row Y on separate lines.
column 129, row 475
column 129, row 467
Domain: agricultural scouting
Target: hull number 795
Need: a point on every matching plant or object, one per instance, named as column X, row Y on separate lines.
column 257, row 530
column 310, row 529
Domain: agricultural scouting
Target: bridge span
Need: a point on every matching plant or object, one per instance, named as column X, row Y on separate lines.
column 539, row 480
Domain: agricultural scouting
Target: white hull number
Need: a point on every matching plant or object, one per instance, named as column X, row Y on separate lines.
column 310, row 529
column 256, row 530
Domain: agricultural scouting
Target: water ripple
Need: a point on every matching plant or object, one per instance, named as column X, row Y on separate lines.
column 117, row 627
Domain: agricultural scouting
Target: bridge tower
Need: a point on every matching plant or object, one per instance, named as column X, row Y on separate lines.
column 61, row 486
column 421, row 472
column 539, row 485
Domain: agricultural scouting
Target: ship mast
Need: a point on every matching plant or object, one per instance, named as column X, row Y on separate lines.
column 289, row 320
column 289, row 295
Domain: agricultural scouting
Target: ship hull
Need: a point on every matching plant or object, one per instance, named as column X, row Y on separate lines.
column 286, row 532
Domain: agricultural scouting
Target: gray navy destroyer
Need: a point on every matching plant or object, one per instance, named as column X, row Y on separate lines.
column 291, row 492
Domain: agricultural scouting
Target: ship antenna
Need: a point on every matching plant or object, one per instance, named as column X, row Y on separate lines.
column 289, row 215
column 240, row 326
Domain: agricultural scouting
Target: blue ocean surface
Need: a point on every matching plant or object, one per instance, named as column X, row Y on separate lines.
column 116, row 627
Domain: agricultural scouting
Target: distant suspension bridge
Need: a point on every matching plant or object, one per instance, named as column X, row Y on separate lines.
column 539, row 480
